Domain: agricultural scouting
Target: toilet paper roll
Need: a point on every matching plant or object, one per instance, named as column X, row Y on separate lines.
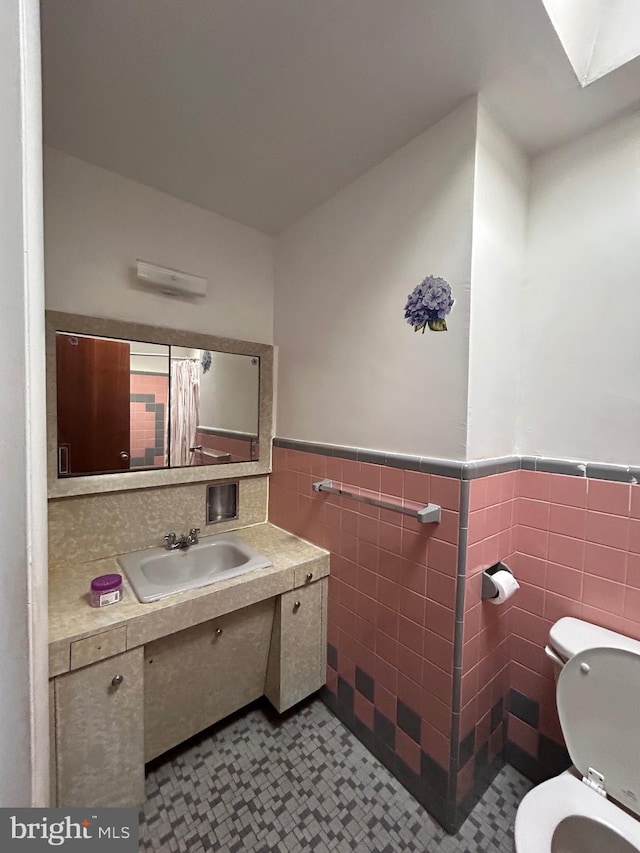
column 506, row 585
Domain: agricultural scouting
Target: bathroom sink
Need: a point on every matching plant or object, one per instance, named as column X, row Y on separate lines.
column 157, row 573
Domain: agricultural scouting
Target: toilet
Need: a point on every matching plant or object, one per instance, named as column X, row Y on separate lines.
column 594, row 807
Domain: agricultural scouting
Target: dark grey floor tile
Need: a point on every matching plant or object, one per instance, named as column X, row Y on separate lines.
column 302, row 782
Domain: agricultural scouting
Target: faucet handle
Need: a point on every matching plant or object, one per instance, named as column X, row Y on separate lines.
column 194, row 532
column 169, row 540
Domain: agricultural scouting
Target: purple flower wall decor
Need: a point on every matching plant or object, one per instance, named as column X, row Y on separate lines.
column 205, row 360
column 429, row 304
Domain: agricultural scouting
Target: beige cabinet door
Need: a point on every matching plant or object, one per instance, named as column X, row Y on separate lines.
column 196, row 677
column 298, row 657
column 99, row 737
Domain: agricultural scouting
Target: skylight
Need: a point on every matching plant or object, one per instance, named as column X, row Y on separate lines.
column 598, row 36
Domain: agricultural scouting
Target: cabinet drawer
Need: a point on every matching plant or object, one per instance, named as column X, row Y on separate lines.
column 311, row 572
column 98, row 647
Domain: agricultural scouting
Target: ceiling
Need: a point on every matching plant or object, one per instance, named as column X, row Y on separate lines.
column 262, row 109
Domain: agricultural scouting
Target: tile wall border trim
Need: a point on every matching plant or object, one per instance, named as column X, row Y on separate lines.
column 468, row 470
column 456, row 684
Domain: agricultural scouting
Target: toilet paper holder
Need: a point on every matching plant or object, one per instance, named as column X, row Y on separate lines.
column 489, row 589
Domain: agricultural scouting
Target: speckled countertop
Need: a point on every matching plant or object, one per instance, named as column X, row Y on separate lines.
column 72, row 619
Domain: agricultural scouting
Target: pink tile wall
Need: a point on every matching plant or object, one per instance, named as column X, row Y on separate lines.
column 577, row 544
column 574, row 546
column 143, row 423
column 392, row 584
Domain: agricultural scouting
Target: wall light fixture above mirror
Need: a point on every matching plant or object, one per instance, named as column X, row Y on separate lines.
column 131, row 406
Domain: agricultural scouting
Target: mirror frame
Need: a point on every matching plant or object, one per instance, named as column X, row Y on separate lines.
column 91, row 484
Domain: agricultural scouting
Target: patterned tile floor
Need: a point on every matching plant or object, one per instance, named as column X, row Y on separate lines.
column 259, row 783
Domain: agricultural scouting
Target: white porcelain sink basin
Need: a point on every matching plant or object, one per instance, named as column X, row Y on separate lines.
column 157, row 573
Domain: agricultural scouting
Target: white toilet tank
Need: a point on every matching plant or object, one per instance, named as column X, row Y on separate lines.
column 568, row 636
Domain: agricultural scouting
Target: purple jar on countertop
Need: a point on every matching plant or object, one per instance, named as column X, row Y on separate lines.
column 106, row 589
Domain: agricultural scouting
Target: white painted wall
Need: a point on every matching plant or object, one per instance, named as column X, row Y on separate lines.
column 156, row 362
column 581, row 386
column 351, row 371
column 24, row 731
column 497, row 277
column 98, row 223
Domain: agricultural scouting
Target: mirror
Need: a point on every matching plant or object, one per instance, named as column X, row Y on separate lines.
column 131, row 405
column 227, row 429
column 152, row 403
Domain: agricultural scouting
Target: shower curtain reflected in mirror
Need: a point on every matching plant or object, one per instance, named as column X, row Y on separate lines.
column 185, row 409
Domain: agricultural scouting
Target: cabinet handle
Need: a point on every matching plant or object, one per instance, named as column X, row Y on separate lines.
column 117, row 680
column 309, row 576
column 296, row 605
column 218, row 632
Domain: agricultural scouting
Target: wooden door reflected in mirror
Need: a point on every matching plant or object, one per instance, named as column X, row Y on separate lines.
column 93, row 405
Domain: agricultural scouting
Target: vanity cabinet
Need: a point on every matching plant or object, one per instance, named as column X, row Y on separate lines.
column 99, row 733
column 200, row 675
column 124, row 693
column 298, row 653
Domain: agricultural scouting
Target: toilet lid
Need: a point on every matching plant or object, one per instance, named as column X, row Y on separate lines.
column 598, row 698
column 569, row 635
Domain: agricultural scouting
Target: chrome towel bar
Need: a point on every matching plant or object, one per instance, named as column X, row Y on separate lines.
column 214, row 454
column 425, row 515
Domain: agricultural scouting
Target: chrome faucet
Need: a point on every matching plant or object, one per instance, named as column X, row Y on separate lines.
column 173, row 542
